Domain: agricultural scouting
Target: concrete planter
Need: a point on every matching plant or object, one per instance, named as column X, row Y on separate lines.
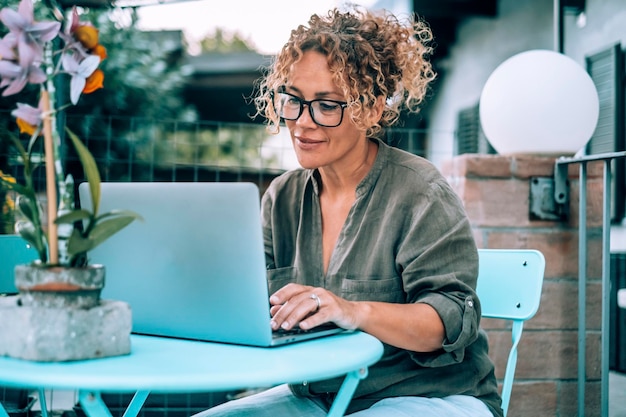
column 58, row 316
column 59, row 287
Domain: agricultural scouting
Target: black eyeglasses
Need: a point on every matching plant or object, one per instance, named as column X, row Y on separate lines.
column 326, row 113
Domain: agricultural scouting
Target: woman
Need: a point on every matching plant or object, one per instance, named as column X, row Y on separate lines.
column 367, row 236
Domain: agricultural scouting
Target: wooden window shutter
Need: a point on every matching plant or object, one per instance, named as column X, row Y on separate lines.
column 606, row 69
column 469, row 134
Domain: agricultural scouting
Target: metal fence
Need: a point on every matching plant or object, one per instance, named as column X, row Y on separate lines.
column 560, row 176
column 138, row 149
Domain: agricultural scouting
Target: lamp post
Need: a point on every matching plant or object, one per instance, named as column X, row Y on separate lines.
column 540, row 102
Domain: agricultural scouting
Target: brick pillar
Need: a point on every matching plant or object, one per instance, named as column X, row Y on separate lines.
column 495, row 191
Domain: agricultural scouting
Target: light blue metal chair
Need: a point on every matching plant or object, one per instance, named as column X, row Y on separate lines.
column 13, row 251
column 509, row 288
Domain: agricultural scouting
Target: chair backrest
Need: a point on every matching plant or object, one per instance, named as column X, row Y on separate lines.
column 509, row 288
column 13, row 251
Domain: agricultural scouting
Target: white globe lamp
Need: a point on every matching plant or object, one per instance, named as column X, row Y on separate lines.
column 539, row 102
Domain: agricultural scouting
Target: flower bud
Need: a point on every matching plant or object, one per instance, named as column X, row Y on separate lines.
column 101, row 51
column 94, row 82
column 87, row 36
column 26, row 127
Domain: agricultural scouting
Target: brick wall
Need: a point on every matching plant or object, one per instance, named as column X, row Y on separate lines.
column 495, row 190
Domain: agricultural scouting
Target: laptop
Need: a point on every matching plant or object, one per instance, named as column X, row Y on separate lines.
column 194, row 268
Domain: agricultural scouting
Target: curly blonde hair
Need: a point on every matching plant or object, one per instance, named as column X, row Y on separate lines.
column 370, row 54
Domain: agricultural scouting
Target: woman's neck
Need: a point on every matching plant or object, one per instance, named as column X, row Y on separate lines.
column 337, row 181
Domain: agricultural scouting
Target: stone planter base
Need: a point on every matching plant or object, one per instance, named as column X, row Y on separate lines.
column 64, row 334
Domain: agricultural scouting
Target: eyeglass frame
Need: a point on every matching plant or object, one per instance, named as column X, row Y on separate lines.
column 342, row 104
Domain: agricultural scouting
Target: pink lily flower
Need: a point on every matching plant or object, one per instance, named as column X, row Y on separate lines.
column 79, row 72
column 31, row 115
column 72, row 45
column 68, row 35
column 7, row 47
column 31, row 35
column 15, row 76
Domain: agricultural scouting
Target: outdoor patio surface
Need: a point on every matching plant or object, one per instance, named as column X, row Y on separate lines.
column 64, row 400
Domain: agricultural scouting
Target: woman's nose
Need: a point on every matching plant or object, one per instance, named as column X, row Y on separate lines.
column 305, row 118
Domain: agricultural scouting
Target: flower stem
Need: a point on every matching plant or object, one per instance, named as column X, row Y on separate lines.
column 65, row 186
column 51, row 191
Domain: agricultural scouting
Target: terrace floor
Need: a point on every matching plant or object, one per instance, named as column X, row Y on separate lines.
column 65, row 400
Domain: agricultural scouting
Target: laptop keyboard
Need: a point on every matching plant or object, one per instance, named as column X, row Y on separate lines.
column 297, row 330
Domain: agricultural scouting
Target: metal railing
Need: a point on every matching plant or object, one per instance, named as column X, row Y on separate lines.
column 560, row 168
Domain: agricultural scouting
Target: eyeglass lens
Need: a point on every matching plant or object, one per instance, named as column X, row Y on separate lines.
column 327, row 113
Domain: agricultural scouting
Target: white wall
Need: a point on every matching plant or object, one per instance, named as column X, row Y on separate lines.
column 483, row 43
column 606, row 26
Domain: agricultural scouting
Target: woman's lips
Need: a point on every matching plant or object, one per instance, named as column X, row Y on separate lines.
column 308, row 144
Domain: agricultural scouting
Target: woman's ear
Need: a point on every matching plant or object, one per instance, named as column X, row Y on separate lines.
column 374, row 112
column 377, row 109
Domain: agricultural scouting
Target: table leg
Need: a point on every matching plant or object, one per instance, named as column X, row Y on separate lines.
column 345, row 393
column 44, row 411
column 41, row 393
column 92, row 404
column 136, row 403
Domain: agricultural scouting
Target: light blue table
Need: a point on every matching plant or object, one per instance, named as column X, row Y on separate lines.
column 182, row 366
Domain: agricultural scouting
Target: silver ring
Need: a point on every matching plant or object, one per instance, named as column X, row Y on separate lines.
column 317, row 300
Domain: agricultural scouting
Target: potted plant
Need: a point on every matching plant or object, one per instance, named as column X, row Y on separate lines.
column 61, row 282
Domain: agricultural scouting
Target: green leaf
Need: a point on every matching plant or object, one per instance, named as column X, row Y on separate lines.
column 33, row 141
column 33, row 236
column 9, row 185
column 90, row 169
column 117, row 213
column 107, row 228
column 101, row 232
column 24, row 155
column 27, row 207
column 73, row 216
column 77, row 243
column 20, row 148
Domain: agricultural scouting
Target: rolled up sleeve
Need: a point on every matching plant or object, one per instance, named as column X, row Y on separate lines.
column 439, row 264
column 461, row 332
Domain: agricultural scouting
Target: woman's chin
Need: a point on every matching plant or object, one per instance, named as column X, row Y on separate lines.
column 307, row 162
column 308, row 165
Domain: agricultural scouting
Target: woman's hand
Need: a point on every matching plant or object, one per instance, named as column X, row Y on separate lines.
column 301, row 305
column 413, row 326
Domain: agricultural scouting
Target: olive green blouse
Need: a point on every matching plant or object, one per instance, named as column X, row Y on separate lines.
column 407, row 239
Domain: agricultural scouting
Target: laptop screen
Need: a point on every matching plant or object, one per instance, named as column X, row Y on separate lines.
column 195, row 266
